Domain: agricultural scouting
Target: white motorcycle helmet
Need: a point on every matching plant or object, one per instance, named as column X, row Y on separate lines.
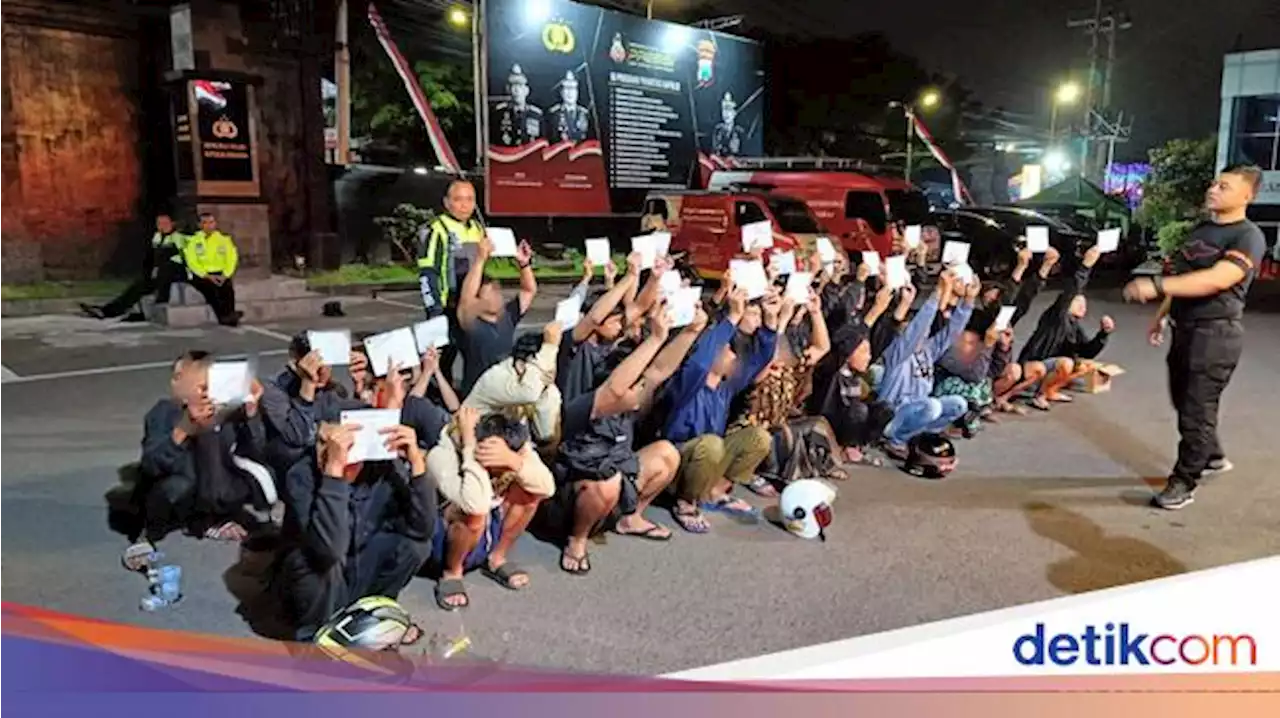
column 806, row 508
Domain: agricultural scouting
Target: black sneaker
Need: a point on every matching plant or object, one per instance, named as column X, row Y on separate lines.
column 1176, row 495
column 1217, row 466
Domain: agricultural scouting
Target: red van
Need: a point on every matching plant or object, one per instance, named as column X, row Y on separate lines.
column 855, row 208
column 707, row 225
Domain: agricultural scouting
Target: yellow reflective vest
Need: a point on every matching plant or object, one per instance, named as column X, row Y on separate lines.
column 207, row 254
column 444, row 236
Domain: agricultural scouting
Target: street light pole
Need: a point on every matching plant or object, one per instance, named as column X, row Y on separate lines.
column 910, row 136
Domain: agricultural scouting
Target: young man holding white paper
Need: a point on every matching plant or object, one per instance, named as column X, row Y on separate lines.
column 525, row 382
column 486, row 319
column 201, row 463
column 353, row 529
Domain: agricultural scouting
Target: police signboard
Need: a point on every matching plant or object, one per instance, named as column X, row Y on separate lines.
column 216, row 132
column 588, row 109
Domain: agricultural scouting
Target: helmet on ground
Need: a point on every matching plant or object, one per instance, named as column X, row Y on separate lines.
column 931, row 456
column 368, row 626
column 805, row 507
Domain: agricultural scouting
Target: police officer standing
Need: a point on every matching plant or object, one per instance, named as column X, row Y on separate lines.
column 447, row 247
column 1204, row 300
column 212, row 259
column 519, row 123
column 726, row 141
column 569, row 120
column 161, row 269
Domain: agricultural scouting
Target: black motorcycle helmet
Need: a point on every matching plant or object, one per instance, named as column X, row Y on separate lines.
column 930, row 456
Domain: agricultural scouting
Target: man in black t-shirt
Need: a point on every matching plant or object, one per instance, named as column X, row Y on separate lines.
column 487, row 321
column 1205, row 300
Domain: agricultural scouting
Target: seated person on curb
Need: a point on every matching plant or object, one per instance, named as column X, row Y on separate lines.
column 888, row 327
column 597, row 468
column 482, row 461
column 1059, row 342
column 842, row 293
column 353, row 530
column 487, row 323
column 200, row 463
column 1010, row 378
column 964, row 371
column 212, row 259
column 908, row 372
column 525, row 381
column 711, row 459
column 162, row 268
column 585, row 352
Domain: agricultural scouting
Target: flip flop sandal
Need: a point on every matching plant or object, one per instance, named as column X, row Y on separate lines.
column 653, row 533
column 1062, row 398
column 451, row 588
column 412, row 635
column 1040, row 403
column 505, row 574
column 760, row 486
column 224, row 532
column 138, row 556
column 725, row 506
column 583, row 561
column 688, row 520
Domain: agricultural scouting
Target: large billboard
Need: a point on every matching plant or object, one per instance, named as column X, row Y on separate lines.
column 588, row 109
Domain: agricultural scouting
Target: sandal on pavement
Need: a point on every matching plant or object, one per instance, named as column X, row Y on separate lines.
column 1041, row 403
column 228, row 531
column 691, row 519
column 447, row 588
column 506, row 574
column 583, row 562
column 760, row 486
column 731, row 506
column 653, row 533
column 412, row 635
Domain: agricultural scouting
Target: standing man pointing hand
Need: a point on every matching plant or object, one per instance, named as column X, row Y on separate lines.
column 1205, row 301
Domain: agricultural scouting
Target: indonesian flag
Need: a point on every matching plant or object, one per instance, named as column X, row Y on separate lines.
column 208, row 94
column 962, row 193
column 434, row 132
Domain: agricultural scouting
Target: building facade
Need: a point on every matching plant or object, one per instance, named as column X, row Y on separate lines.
column 1249, row 129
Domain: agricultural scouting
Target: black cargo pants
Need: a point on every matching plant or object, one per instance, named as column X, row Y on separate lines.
column 1202, row 358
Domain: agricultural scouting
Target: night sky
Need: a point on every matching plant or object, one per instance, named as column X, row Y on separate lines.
column 1169, row 64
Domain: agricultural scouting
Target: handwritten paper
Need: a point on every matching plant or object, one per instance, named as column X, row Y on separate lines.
column 798, row 287
column 670, row 283
column 398, row 346
column 1108, row 240
column 569, row 312
column 896, row 274
column 370, row 443
column 334, row 347
column 648, row 249
column 783, row 262
column 682, row 306
column 1038, row 239
column 955, row 253
column 503, row 240
column 912, row 236
column 963, row 273
column 229, row 383
column 757, row 235
column 749, row 276
column 431, row 333
column 1004, row 317
column 598, row 252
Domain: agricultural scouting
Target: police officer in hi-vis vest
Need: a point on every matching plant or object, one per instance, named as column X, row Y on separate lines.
column 447, row 246
column 162, row 267
column 212, row 260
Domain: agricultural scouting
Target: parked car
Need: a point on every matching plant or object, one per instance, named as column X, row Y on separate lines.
column 999, row 234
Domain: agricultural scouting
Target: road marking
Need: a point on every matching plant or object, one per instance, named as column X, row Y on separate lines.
column 120, row 369
column 397, row 303
column 268, row 333
column 7, row 374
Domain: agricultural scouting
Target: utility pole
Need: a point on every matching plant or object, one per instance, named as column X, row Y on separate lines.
column 1102, row 23
column 342, row 74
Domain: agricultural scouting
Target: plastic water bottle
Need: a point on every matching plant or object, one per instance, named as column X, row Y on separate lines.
column 170, row 584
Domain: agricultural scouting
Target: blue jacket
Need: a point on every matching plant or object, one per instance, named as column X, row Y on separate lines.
column 909, row 360
column 698, row 409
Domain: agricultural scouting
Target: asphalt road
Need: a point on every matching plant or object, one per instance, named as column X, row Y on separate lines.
column 1039, row 507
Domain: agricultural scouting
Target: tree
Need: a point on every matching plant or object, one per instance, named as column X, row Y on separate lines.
column 1173, row 194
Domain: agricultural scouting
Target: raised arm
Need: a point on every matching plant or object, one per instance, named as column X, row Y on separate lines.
column 617, row 395
column 905, row 344
column 469, row 292
column 528, row 283
column 820, row 342
column 602, row 308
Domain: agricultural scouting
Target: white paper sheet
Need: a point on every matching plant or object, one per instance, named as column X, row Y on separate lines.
column 963, row 273
column 569, row 312
column 783, row 262
column 661, row 243
column 826, row 250
column 1108, row 240
column 912, row 235
column 598, row 251
column 504, row 241
column 798, row 287
column 1038, row 239
column 370, row 444
column 647, row 248
column 431, row 333
column 397, row 346
column 757, row 235
column 955, row 253
column 334, row 347
column 1004, row 317
column 683, row 306
column 749, row 276
column 229, row 383
column 670, row 282
column 896, row 274
column 872, row 260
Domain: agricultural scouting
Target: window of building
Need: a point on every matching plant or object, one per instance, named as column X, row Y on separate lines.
column 1255, row 131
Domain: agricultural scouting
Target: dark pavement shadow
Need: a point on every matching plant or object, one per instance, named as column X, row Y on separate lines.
column 122, row 513
column 1101, row 560
column 249, row 581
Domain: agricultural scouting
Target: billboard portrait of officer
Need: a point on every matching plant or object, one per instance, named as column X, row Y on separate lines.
column 568, row 121
column 519, row 122
column 726, row 141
